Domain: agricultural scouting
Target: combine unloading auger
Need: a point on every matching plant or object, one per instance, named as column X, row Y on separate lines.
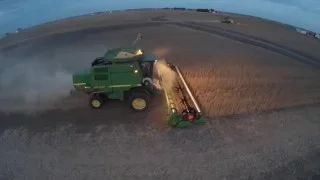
column 183, row 109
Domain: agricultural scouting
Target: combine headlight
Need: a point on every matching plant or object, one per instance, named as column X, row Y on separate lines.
column 139, row 52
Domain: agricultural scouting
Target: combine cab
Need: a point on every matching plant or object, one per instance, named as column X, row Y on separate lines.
column 128, row 74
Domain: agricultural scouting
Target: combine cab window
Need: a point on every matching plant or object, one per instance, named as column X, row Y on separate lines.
column 100, row 61
column 147, row 69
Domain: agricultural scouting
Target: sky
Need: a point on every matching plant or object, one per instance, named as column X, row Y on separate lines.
column 25, row 13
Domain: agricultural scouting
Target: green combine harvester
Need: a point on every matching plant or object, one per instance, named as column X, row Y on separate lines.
column 128, row 74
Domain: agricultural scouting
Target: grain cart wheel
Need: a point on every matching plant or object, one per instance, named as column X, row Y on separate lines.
column 139, row 101
column 96, row 102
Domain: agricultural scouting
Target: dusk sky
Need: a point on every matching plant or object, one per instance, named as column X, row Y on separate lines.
column 25, row 13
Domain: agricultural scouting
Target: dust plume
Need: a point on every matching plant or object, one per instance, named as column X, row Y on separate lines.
column 168, row 76
column 32, row 86
column 161, row 52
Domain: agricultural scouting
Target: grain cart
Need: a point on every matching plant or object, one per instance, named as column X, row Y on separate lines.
column 227, row 20
column 128, row 74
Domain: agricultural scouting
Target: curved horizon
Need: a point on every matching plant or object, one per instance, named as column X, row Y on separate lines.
column 13, row 13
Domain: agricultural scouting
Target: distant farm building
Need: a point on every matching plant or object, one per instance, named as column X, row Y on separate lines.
column 301, row 31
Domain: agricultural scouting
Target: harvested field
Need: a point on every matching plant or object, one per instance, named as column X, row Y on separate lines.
column 280, row 34
column 260, row 103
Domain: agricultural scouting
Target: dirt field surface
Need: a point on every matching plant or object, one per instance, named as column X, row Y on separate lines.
column 260, row 95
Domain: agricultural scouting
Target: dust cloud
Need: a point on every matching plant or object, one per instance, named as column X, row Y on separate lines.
column 168, row 76
column 32, row 86
column 161, row 52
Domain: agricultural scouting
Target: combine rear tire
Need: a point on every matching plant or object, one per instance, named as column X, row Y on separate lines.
column 139, row 101
column 96, row 102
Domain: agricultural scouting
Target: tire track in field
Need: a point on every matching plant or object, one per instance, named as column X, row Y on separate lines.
column 66, row 36
column 262, row 40
column 251, row 40
column 230, row 34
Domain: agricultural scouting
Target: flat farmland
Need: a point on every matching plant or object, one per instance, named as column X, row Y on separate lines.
column 260, row 105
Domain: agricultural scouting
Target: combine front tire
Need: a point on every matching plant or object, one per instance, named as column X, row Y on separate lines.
column 96, row 102
column 139, row 101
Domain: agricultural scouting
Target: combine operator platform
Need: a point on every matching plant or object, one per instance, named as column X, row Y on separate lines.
column 183, row 109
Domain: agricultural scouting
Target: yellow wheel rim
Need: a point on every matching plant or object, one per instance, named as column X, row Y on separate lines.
column 96, row 103
column 139, row 103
